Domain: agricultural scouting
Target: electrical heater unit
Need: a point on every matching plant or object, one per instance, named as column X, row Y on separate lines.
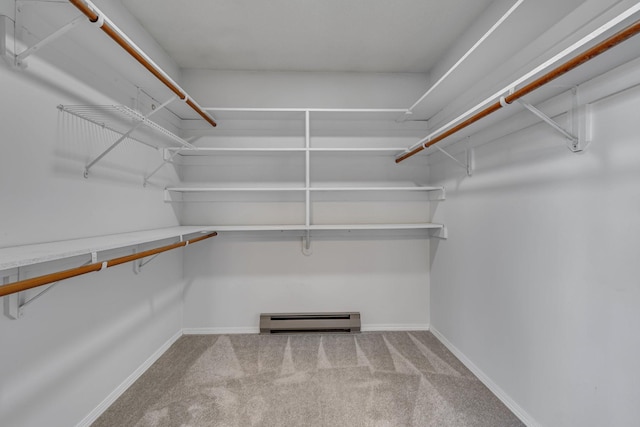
column 282, row 323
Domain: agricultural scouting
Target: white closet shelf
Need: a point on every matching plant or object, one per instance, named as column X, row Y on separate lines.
column 359, row 150
column 375, row 188
column 209, row 151
column 327, row 227
column 119, row 119
column 19, row 256
column 231, row 189
column 220, row 150
column 417, row 226
column 324, row 186
column 387, row 114
column 270, row 227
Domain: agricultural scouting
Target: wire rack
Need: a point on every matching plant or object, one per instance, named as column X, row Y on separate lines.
column 120, row 119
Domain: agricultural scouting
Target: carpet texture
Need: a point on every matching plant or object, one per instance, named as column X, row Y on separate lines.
column 381, row 379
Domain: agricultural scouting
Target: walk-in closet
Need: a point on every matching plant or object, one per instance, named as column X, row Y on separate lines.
column 319, row 213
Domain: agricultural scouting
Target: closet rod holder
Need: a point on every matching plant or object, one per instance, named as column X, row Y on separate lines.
column 562, row 69
column 23, row 285
column 96, row 16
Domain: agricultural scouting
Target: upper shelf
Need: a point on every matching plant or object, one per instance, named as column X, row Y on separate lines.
column 211, row 151
column 19, row 256
column 120, row 119
column 388, row 114
column 318, row 186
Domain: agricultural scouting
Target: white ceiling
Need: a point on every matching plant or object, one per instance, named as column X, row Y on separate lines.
column 307, row 35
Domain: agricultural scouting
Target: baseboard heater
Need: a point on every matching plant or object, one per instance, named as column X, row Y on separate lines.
column 287, row 323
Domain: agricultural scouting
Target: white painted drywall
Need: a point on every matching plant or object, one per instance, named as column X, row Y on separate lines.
column 79, row 342
column 303, row 90
column 231, row 281
column 537, row 284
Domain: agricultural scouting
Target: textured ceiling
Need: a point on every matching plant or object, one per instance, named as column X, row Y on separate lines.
column 307, row 35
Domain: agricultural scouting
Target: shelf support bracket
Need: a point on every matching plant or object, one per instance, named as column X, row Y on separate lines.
column 306, row 243
column 580, row 117
column 33, row 298
column 165, row 160
column 6, row 33
column 126, row 135
column 137, row 265
column 467, row 166
column 15, row 304
column 440, row 233
column 20, row 59
column 12, row 302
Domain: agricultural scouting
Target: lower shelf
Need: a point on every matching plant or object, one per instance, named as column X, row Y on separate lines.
column 20, row 256
column 327, row 227
column 423, row 226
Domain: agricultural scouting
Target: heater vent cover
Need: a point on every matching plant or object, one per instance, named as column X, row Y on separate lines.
column 279, row 323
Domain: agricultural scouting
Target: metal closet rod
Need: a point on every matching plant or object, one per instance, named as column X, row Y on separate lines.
column 589, row 54
column 112, row 31
column 35, row 282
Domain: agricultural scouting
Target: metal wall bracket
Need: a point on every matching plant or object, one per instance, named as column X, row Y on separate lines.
column 6, row 33
column 581, row 122
column 137, row 265
column 20, row 59
column 14, row 304
column 441, row 194
column 306, row 244
column 126, row 135
column 440, row 233
column 469, row 157
column 580, row 117
column 165, row 159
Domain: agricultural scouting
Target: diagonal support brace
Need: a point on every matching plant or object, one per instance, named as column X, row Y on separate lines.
column 166, row 159
column 126, row 135
column 16, row 303
column 468, row 166
column 580, row 117
column 22, row 56
column 549, row 121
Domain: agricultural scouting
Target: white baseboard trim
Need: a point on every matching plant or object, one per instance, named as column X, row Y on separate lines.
column 255, row 330
column 115, row 394
column 527, row 419
column 373, row 327
column 221, row 331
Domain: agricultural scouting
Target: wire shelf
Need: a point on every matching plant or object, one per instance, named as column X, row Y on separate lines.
column 120, row 119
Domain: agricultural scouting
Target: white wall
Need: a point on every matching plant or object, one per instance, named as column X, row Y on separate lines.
column 304, row 90
column 232, row 280
column 537, row 285
column 236, row 278
column 79, row 342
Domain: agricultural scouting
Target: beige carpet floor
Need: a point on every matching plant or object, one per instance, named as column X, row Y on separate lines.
column 389, row 379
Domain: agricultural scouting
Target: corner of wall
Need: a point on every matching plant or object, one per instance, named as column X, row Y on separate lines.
column 525, row 417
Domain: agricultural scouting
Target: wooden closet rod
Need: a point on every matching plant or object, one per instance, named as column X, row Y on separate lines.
column 23, row 285
column 596, row 50
column 139, row 56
